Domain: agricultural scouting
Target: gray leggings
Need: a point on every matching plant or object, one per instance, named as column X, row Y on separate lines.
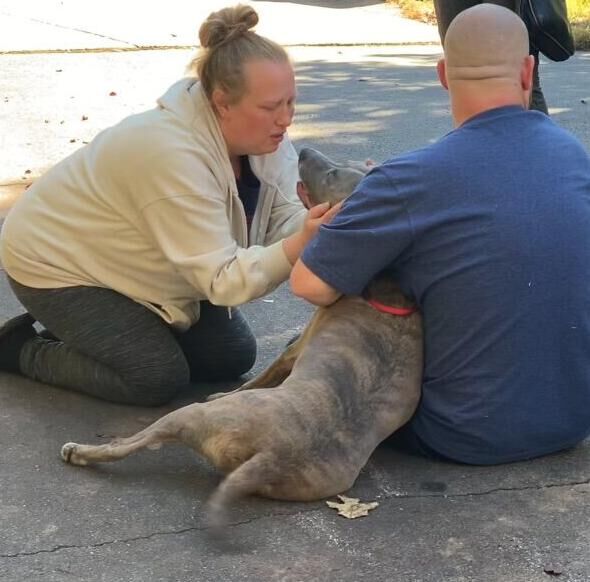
column 104, row 344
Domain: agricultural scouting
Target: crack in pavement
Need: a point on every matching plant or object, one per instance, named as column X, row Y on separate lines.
column 153, row 535
column 395, row 495
column 271, row 515
column 140, row 47
column 117, row 49
column 72, row 28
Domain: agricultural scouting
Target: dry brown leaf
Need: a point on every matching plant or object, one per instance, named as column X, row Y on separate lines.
column 553, row 569
column 351, row 507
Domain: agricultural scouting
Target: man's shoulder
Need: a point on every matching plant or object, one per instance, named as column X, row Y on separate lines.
column 416, row 155
column 420, row 165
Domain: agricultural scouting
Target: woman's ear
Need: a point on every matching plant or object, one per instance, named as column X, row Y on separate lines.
column 220, row 101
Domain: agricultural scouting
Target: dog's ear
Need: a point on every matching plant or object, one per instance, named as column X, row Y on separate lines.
column 304, row 195
column 363, row 167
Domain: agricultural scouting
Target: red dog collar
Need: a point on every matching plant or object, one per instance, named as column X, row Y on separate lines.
column 402, row 311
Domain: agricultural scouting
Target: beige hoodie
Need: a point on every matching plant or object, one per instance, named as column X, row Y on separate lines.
column 150, row 208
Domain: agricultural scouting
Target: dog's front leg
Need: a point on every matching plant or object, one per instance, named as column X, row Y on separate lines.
column 274, row 375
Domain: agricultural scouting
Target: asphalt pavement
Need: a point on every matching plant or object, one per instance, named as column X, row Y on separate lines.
column 367, row 88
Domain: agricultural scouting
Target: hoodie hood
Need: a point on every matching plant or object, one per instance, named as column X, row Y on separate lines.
column 187, row 101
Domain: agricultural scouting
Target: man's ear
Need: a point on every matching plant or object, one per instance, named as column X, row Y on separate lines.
column 526, row 80
column 526, row 73
column 441, row 69
column 220, row 101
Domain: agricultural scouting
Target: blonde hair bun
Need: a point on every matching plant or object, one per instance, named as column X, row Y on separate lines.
column 227, row 43
column 221, row 26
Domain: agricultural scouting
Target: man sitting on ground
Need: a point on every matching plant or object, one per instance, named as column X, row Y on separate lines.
column 488, row 230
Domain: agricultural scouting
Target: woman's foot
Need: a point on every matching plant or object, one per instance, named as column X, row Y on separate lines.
column 13, row 336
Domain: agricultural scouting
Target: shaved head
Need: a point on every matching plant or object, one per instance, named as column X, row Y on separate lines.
column 485, row 42
column 486, row 63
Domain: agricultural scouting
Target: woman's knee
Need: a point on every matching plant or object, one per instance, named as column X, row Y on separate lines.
column 240, row 357
column 157, row 384
column 218, row 347
column 235, row 358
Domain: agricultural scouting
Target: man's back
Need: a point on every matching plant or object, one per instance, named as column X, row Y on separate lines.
column 489, row 231
column 500, row 265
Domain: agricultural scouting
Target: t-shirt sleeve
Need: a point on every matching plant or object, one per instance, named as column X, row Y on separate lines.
column 370, row 232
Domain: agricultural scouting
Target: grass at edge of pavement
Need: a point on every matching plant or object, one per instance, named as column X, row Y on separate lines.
column 578, row 10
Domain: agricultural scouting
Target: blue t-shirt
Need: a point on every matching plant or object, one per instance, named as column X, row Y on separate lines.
column 488, row 230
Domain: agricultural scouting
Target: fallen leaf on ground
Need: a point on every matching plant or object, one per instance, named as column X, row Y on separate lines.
column 351, row 507
column 553, row 569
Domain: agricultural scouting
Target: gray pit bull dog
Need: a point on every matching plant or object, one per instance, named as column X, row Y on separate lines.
column 305, row 427
column 323, row 180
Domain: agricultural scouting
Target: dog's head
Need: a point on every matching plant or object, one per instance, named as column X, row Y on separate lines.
column 323, row 180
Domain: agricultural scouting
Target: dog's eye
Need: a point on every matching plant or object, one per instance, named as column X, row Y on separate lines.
column 332, row 174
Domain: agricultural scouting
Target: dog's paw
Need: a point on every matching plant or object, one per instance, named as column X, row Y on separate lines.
column 68, row 454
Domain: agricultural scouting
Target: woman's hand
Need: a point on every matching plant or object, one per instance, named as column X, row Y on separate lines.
column 316, row 216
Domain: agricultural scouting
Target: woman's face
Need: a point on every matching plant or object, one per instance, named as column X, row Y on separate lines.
column 256, row 124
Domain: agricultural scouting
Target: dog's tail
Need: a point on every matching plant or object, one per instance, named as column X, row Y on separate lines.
column 255, row 476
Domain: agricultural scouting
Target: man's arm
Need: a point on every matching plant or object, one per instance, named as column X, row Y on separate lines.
column 309, row 286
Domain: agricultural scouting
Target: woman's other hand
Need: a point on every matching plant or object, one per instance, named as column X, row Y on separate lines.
column 316, row 216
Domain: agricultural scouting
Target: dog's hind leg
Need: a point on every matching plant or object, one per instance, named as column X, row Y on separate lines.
column 163, row 430
column 274, row 375
column 280, row 369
